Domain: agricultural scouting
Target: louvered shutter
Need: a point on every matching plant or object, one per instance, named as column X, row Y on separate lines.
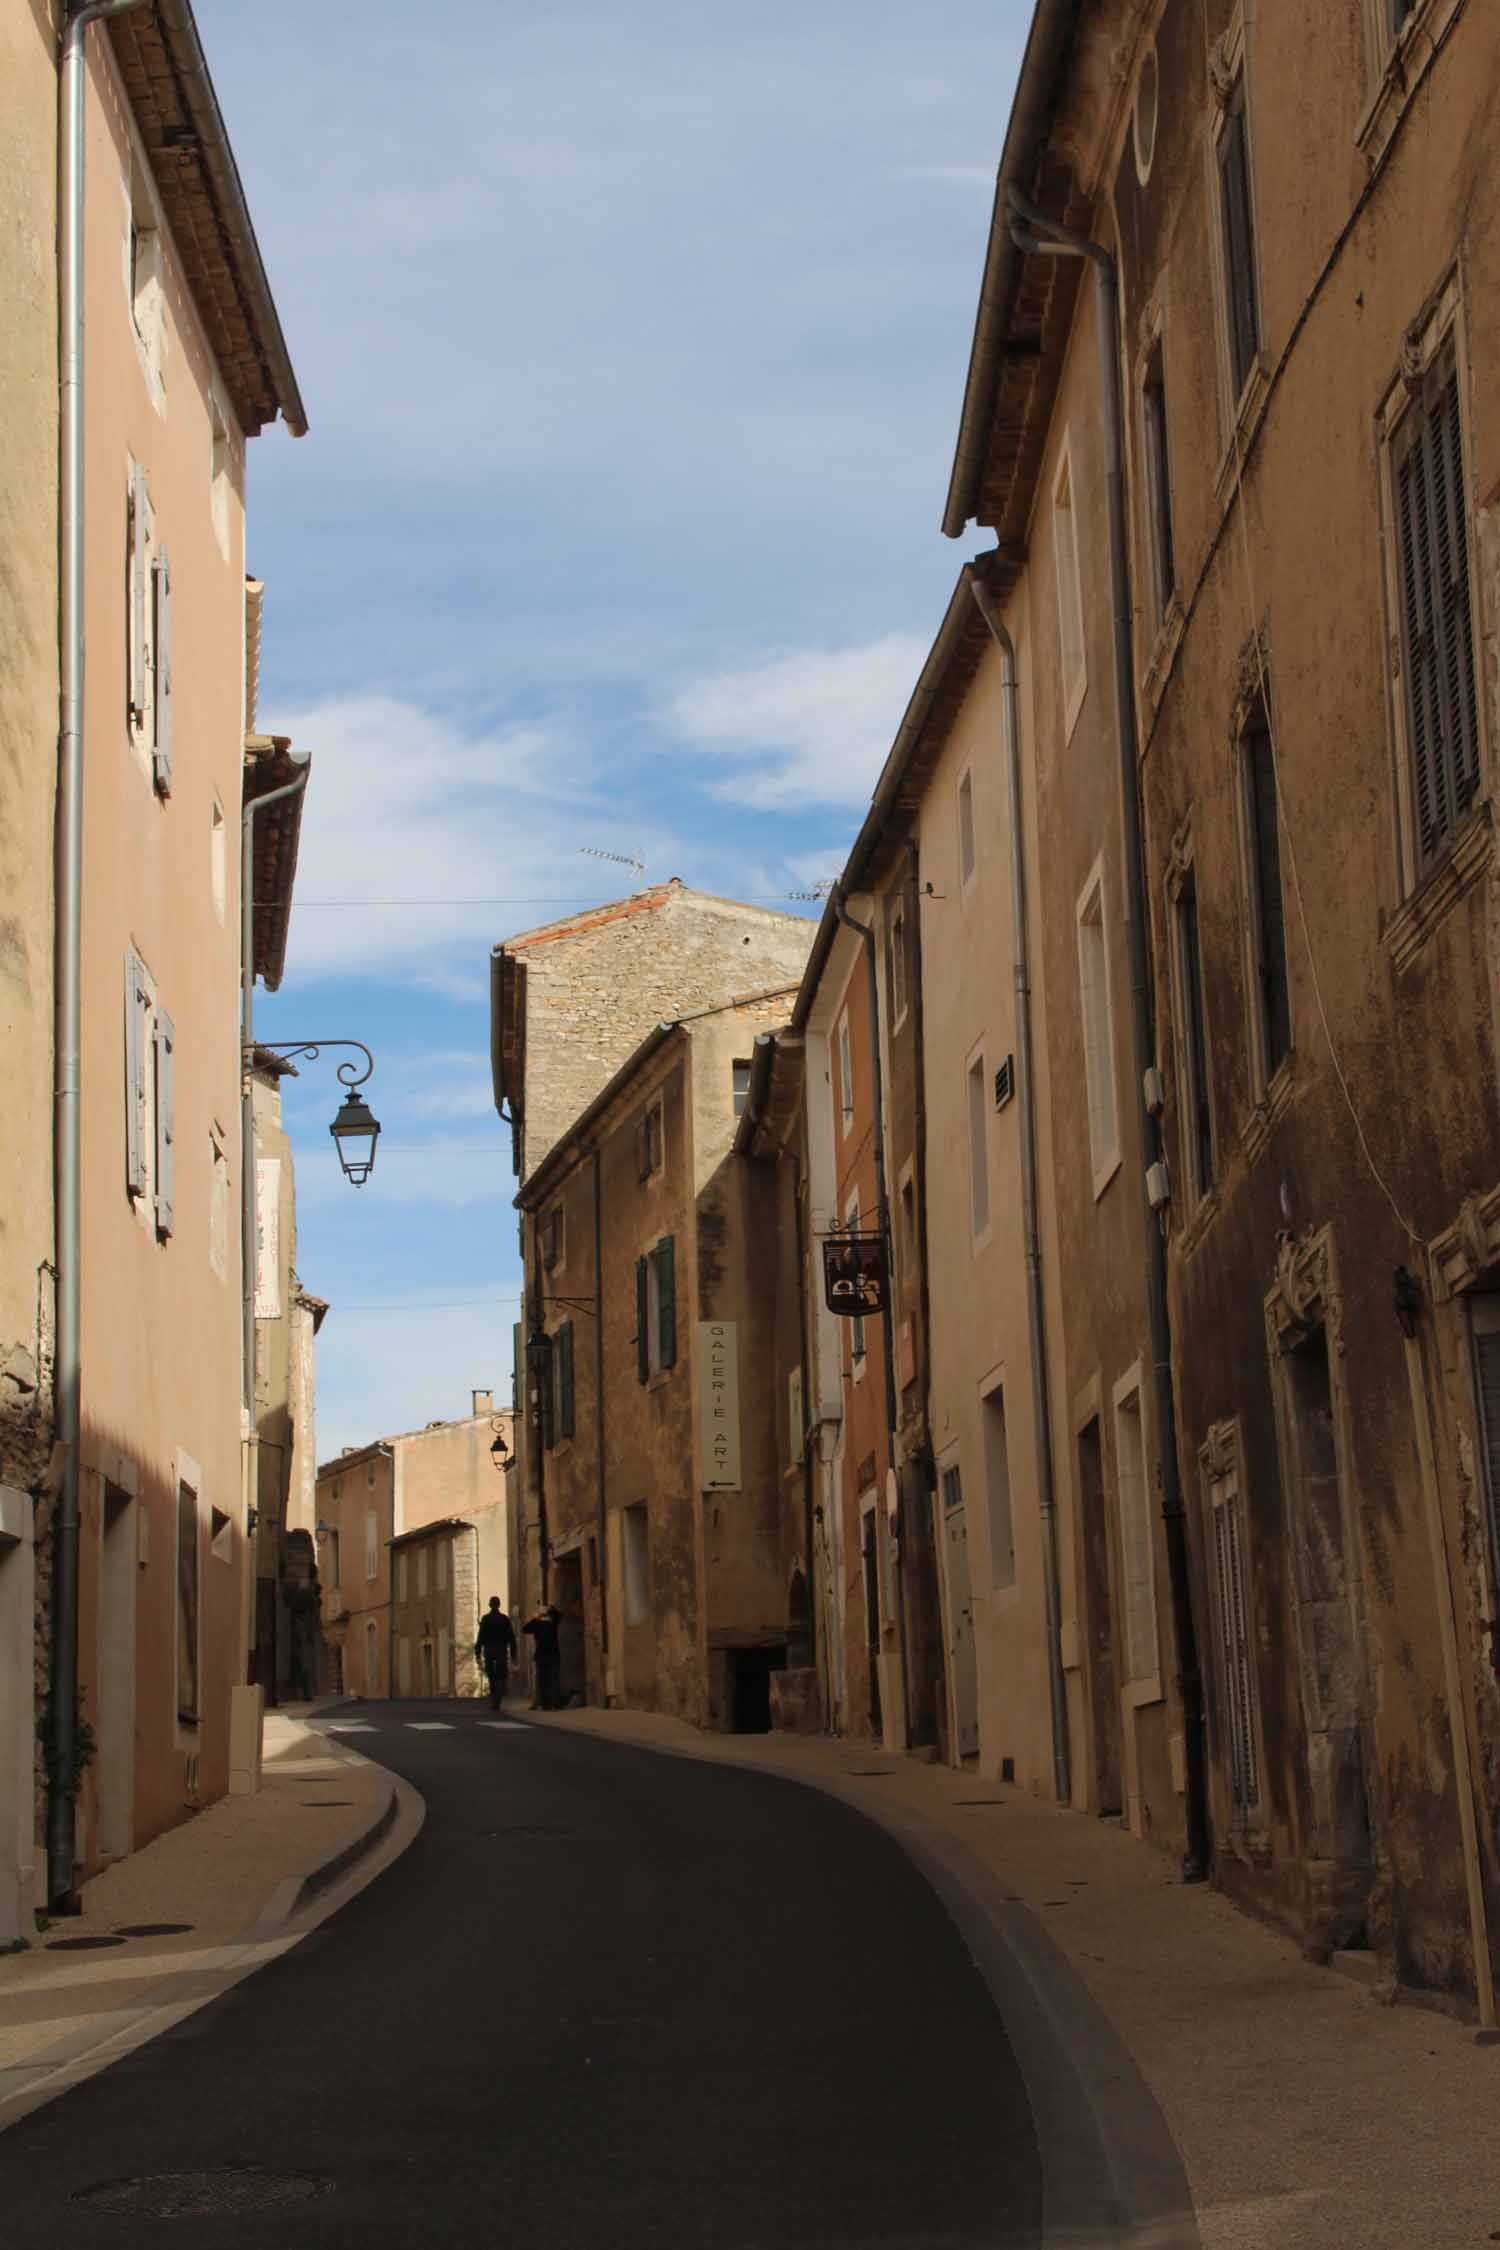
column 666, row 1300
column 161, row 594
column 135, row 1073
column 1232, row 1603
column 1276, row 1015
column 138, row 573
column 1486, row 1329
column 642, row 1322
column 166, row 1123
column 565, row 1379
column 1432, row 534
column 546, row 1392
column 642, row 1148
column 1239, row 242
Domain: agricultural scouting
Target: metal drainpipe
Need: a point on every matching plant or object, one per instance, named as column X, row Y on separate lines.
column 866, row 934
column 799, row 1227
column 247, row 1165
column 928, row 1465
column 1036, row 1307
column 68, row 947
column 1037, row 233
column 599, row 1422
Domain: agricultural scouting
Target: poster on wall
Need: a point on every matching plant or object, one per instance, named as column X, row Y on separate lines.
column 719, row 1404
column 268, row 1238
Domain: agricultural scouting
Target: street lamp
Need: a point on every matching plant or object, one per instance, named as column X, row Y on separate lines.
column 356, row 1129
column 499, row 1451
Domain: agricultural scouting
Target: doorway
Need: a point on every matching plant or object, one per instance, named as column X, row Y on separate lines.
column 115, row 1718
column 1108, row 1795
column 750, row 1672
column 871, row 1561
column 963, row 1667
column 567, row 1596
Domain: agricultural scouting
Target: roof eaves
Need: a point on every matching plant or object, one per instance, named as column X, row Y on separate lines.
column 270, row 762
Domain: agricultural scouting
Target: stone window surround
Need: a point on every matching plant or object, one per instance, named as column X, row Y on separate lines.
column 1271, row 1089
column 1228, row 67
column 1221, row 1466
column 1205, row 1198
column 1397, row 66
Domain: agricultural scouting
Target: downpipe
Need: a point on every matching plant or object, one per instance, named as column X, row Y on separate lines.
column 67, row 949
column 1036, row 1308
column 1033, row 231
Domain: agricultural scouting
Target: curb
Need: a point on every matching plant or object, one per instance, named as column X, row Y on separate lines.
column 295, row 1891
column 1112, row 2177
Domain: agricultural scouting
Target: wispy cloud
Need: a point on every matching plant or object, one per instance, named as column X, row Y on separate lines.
column 803, row 727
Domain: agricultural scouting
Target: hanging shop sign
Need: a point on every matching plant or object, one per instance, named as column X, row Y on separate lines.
column 855, row 1279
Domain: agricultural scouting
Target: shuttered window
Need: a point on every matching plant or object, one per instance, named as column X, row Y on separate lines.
column 1158, row 481
column 1239, row 239
column 562, row 1347
column 656, row 1309
column 1484, row 1325
column 1137, row 1553
column 164, row 1040
column 138, row 570
column 1197, row 1114
column 1098, row 1033
column 137, row 1040
column 1437, row 631
column 642, row 1319
column 1231, row 1596
column 161, row 613
column 1268, row 915
column 666, row 1299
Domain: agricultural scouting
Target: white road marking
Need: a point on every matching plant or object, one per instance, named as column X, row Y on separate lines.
column 499, row 1726
column 348, row 1726
column 430, row 1726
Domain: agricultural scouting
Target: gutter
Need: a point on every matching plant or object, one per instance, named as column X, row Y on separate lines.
column 67, row 1148
column 1031, row 113
column 217, row 157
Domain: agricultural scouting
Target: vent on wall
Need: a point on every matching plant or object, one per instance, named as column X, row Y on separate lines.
column 1005, row 1082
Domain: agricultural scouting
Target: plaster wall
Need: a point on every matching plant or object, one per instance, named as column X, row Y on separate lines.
column 357, row 1601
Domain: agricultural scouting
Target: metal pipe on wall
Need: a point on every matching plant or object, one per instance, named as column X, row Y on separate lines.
column 603, row 1557
column 67, row 943
column 1032, row 230
column 1036, row 1308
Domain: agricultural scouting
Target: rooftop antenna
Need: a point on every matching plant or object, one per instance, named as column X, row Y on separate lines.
column 632, row 860
column 820, row 889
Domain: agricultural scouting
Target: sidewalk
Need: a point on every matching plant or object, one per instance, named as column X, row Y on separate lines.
column 1307, row 2114
column 241, row 1877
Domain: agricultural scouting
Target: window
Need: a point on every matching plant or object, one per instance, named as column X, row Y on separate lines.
column 217, row 870
column 1158, row 480
column 150, row 1098
column 421, row 1573
column 635, row 1535
column 187, row 1604
column 1137, row 1551
column 846, row 1076
column 220, row 474
column 656, row 1310
column 1270, row 994
column 896, row 965
column 953, row 1491
column 1098, row 1030
column 1439, row 682
column 220, row 1535
column 146, row 265
column 148, row 670
column 856, row 1326
column 552, row 1238
column 372, row 1660
column 979, row 1162
column 562, row 1379
column 741, row 1080
column 401, row 1576
column 1069, row 590
column 218, row 1204
column 967, row 855
column 649, row 1145
column 1484, row 1330
column 1197, row 1114
column 997, row 1488
column 1237, row 240
column 1230, row 1596
column 372, row 1545
column 331, row 1561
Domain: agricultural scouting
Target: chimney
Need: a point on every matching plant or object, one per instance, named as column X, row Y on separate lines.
column 484, row 1403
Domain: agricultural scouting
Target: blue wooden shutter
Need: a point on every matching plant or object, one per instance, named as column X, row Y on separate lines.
column 161, row 595
column 166, row 1122
column 136, row 692
column 666, row 1301
column 135, row 1073
column 642, row 1321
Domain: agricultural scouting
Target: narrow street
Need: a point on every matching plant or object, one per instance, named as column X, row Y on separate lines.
column 585, row 2007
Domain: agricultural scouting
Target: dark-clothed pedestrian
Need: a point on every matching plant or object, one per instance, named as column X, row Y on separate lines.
column 543, row 1631
column 494, row 1648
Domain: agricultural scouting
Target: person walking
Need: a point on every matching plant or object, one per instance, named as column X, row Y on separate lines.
column 494, row 1648
column 543, row 1633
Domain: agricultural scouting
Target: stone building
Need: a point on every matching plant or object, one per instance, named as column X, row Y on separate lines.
column 444, row 1574
column 356, row 1523
column 654, row 1457
column 1300, row 234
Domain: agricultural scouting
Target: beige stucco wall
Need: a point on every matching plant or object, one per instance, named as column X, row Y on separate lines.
column 161, row 1382
column 447, row 1470
column 28, row 782
column 356, row 1600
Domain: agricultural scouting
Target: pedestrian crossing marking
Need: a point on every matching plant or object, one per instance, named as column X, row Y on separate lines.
column 430, row 1726
column 502, row 1726
column 348, row 1726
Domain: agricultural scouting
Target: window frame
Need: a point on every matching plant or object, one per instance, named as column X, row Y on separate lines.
column 1264, row 1068
column 992, row 1402
column 898, row 998
column 1136, row 1521
column 1194, row 1051
column 554, row 1236
column 651, row 1139
column 1100, row 1067
column 844, row 1045
column 1438, row 335
column 1156, row 479
column 1231, row 1603
column 1241, row 392
column 1067, row 548
column 977, row 1135
column 968, row 832
column 739, row 1079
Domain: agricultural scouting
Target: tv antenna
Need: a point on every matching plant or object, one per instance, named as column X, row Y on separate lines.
column 820, row 889
column 632, row 860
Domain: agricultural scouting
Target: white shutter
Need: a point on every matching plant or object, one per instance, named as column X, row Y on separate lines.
column 161, row 598
column 136, row 1001
column 166, row 1124
column 138, row 569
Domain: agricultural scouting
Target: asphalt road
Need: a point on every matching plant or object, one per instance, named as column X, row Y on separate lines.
column 606, row 2001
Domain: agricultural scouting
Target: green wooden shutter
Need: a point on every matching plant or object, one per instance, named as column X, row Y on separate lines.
column 565, row 1379
column 546, row 1392
column 642, row 1316
column 161, row 599
column 166, row 1123
column 666, row 1301
column 135, row 1073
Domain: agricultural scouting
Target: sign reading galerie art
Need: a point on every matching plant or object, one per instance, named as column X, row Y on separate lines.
column 719, row 1404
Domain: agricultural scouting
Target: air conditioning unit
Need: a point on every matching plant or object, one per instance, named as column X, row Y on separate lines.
column 1158, row 1186
column 1153, row 1087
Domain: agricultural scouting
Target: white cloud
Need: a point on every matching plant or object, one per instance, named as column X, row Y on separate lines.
column 803, row 727
column 388, row 1366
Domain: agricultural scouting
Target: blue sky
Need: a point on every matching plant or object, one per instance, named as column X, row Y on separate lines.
column 632, row 344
